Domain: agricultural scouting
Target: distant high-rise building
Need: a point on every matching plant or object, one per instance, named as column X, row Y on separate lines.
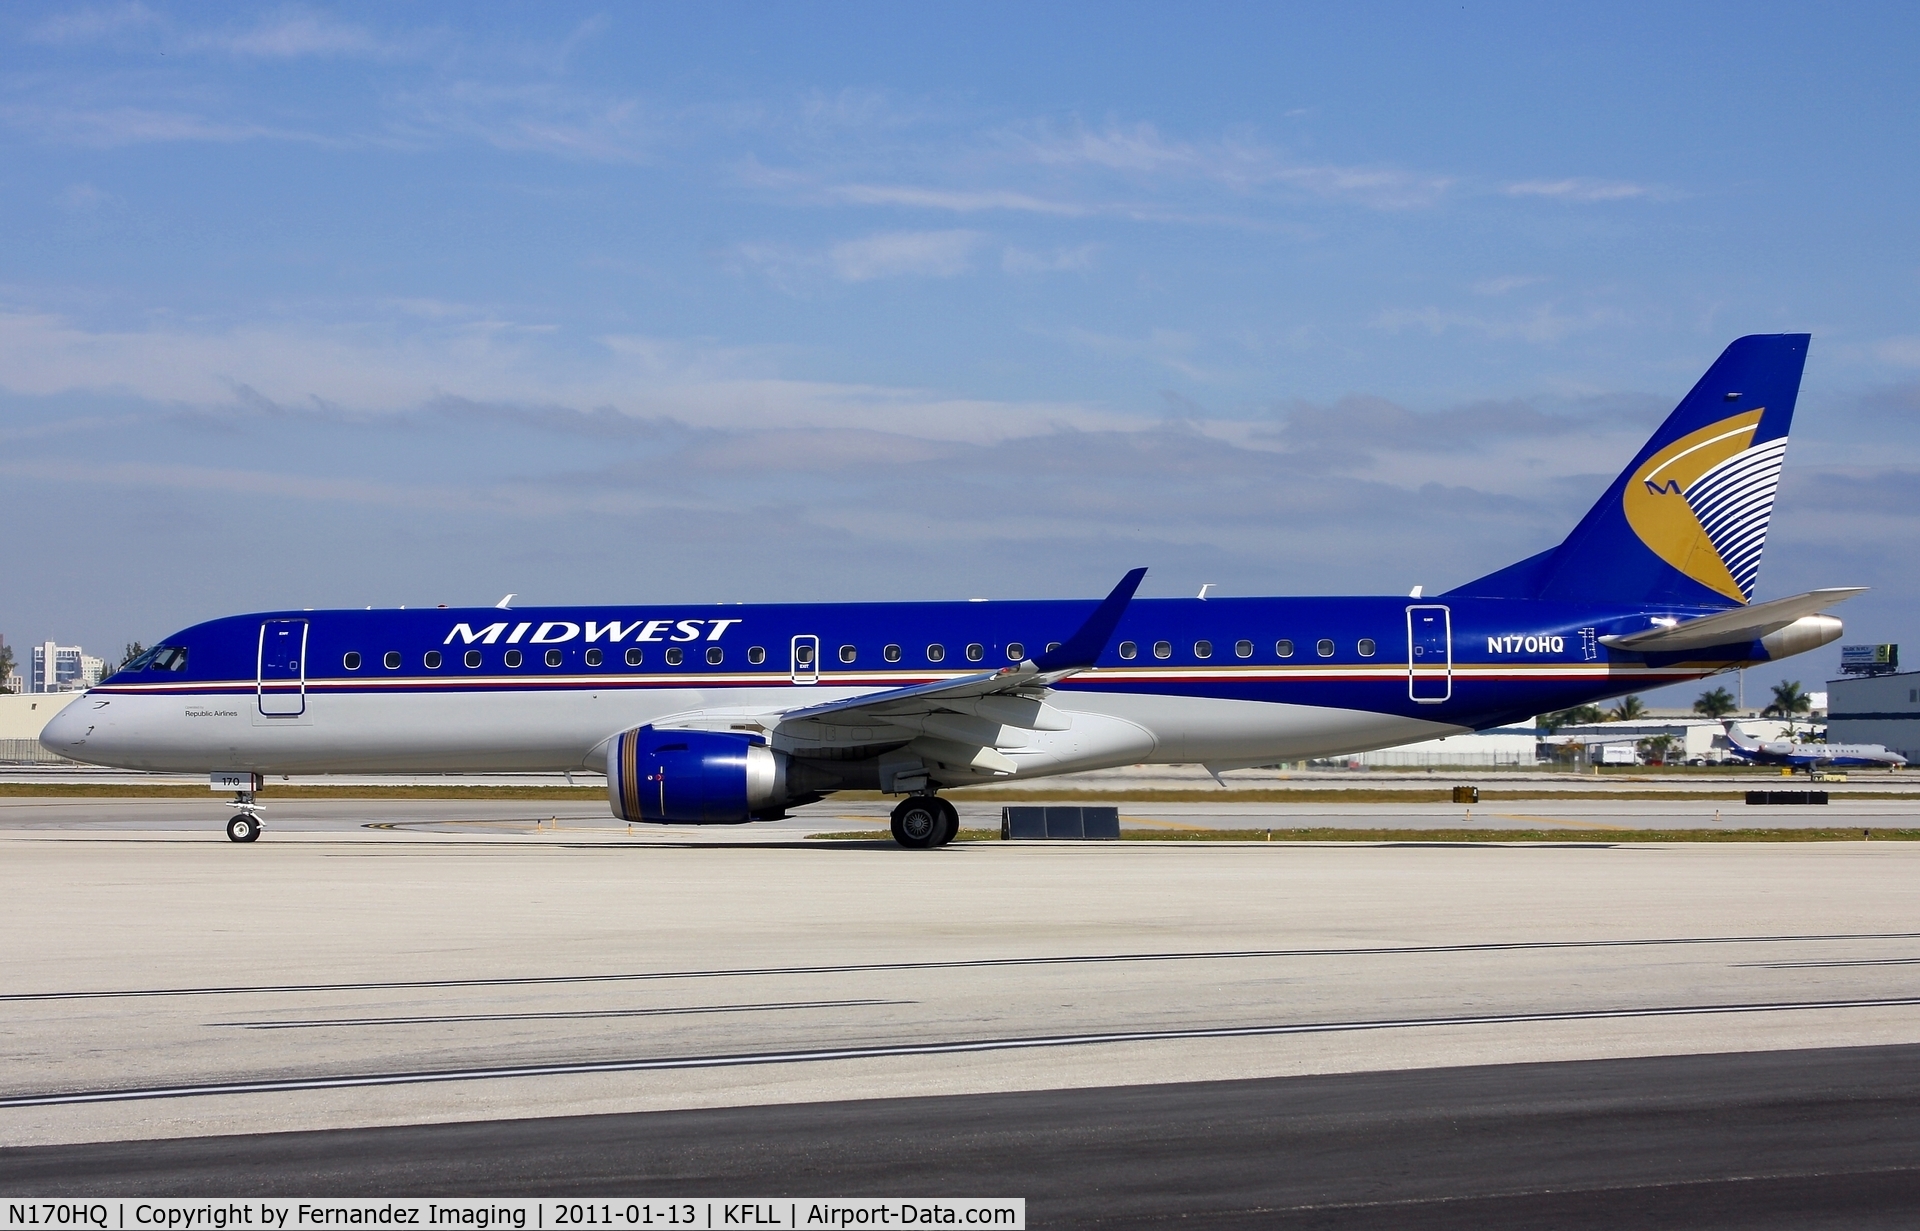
column 64, row 668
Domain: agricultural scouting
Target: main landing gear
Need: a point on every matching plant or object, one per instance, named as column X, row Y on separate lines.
column 921, row 822
column 245, row 826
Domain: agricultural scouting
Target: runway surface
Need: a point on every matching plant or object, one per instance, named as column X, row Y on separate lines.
column 1777, row 1139
column 396, row 965
column 590, row 819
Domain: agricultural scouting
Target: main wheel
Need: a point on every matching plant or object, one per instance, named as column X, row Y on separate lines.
column 949, row 822
column 243, row 828
column 918, row 822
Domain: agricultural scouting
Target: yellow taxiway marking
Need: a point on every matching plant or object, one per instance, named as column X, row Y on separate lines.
column 1554, row 820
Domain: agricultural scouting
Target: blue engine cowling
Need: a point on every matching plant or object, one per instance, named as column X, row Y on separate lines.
column 693, row 777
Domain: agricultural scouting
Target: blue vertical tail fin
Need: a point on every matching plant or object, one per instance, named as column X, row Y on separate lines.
column 1686, row 521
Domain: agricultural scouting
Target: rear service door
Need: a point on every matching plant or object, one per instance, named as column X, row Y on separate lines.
column 282, row 685
column 1429, row 653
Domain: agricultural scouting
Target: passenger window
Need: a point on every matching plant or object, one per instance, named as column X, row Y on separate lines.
column 634, row 656
column 472, row 660
column 803, row 655
column 432, row 660
column 351, row 661
column 891, row 653
column 715, row 655
column 1324, row 647
column 392, row 661
column 674, row 656
column 593, row 657
column 1052, row 646
column 847, row 653
column 1015, row 652
column 1203, row 649
column 936, row 653
column 555, row 658
column 1128, row 649
column 1283, row 648
column 757, row 654
column 1366, row 647
column 976, row 652
column 1163, row 649
column 512, row 658
column 1243, row 649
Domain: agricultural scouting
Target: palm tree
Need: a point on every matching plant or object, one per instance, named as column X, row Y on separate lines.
column 1715, row 704
column 1629, row 708
column 1788, row 700
column 1576, row 716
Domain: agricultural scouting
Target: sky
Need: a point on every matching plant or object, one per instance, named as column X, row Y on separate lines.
column 337, row 305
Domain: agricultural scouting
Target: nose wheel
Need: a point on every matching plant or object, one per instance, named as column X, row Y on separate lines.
column 245, row 825
column 922, row 822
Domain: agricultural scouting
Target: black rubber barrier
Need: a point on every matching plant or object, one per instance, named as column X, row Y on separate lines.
column 1786, row 797
column 1060, row 822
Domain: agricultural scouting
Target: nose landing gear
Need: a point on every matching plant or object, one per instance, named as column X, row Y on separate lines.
column 245, row 825
column 921, row 822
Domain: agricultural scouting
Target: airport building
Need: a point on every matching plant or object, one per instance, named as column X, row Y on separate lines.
column 22, row 717
column 1876, row 709
column 64, row 668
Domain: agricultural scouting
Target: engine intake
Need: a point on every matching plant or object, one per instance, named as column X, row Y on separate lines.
column 693, row 777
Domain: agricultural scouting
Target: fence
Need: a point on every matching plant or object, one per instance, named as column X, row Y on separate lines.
column 19, row 751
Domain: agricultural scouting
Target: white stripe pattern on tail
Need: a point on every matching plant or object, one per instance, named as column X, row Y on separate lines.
column 1734, row 502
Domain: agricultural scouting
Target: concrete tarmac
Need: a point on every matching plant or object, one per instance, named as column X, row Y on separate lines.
column 410, row 963
column 1792, row 1139
column 591, row 819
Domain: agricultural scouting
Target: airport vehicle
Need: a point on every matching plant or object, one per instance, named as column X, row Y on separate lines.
column 1808, row 756
column 723, row 714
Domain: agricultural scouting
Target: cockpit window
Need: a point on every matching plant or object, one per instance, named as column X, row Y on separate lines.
column 160, row 658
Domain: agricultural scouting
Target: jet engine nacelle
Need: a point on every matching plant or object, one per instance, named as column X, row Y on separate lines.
column 693, row 777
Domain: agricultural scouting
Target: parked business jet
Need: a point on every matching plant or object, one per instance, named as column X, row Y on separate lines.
column 1808, row 756
column 724, row 714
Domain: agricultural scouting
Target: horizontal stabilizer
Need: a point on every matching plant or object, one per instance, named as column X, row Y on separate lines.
column 1742, row 624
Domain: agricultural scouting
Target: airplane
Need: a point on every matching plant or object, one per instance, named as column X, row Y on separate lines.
column 1807, row 756
column 733, row 713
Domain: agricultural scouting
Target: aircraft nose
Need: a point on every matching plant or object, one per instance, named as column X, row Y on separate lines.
column 66, row 735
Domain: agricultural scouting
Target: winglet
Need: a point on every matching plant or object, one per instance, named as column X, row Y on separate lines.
column 1088, row 644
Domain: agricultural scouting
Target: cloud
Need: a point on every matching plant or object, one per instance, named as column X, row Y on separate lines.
column 538, row 117
column 1581, row 191
column 1902, row 351
column 1500, row 286
column 955, row 200
column 106, row 127
column 1244, row 165
column 1546, row 324
column 1057, row 260
column 84, row 25
column 294, row 32
column 933, row 254
column 290, row 32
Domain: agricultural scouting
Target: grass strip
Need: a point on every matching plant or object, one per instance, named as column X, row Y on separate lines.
column 1610, row 837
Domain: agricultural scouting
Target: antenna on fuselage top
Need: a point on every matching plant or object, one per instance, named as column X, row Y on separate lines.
column 1204, row 589
column 1415, row 592
column 504, row 603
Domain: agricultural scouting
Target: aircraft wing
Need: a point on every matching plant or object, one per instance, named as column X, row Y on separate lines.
column 1731, row 627
column 959, row 723
column 1076, row 653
